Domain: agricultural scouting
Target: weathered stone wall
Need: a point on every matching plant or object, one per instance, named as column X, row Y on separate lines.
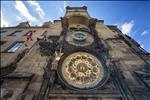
column 118, row 49
column 53, row 30
column 32, row 62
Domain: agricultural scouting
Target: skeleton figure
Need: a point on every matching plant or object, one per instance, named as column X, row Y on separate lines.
column 56, row 59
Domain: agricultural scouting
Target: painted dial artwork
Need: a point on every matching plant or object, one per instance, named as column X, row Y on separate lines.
column 79, row 38
column 82, row 70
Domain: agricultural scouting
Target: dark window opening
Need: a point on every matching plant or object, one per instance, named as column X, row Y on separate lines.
column 53, row 38
column 73, row 28
column 2, row 42
column 84, row 29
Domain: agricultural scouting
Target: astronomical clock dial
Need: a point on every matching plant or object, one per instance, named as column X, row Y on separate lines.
column 79, row 38
column 82, row 70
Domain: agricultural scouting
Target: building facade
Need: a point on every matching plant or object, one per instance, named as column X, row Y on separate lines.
column 76, row 57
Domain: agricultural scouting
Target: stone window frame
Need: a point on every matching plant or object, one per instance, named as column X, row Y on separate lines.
column 13, row 34
column 11, row 46
column 2, row 32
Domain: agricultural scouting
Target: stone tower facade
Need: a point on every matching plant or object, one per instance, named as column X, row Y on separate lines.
column 75, row 58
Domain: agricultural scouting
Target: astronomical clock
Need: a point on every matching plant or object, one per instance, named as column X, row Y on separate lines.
column 82, row 66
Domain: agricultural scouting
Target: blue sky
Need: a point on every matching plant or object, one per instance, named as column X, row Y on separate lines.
column 132, row 17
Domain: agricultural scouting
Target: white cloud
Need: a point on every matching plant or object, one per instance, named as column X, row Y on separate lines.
column 24, row 11
column 126, row 28
column 62, row 7
column 61, row 10
column 116, row 24
column 3, row 21
column 142, row 46
column 18, row 18
column 144, row 33
column 65, row 4
column 37, row 8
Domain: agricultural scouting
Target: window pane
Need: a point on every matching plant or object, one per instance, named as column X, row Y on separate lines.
column 15, row 47
column 16, row 33
column 2, row 32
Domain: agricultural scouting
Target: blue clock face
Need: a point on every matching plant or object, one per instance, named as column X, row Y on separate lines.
column 79, row 36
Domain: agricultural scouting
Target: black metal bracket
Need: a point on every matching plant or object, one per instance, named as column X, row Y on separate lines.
column 143, row 76
column 19, row 75
column 120, row 83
